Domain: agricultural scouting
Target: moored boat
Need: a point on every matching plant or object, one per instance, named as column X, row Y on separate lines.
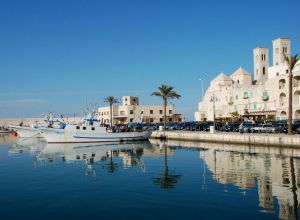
column 90, row 131
column 32, row 130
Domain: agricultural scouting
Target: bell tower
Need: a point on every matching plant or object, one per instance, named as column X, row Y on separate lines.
column 281, row 48
column 261, row 64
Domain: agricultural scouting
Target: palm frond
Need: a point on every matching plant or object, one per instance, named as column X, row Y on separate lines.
column 111, row 100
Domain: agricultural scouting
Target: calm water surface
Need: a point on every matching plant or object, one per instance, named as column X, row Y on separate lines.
column 143, row 180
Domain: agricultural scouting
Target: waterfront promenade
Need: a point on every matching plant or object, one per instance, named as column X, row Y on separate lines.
column 231, row 138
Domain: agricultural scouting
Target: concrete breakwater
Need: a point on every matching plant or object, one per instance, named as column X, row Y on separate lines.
column 232, row 138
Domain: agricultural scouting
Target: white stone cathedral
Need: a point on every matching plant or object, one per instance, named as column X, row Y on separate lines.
column 265, row 96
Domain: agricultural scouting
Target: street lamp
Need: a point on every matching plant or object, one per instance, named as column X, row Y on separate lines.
column 213, row 99
column 202, row 114
column 202, row 87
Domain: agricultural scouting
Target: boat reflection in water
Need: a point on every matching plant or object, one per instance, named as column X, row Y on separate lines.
column 32, row 145
column 275, row 171
column 89, row 154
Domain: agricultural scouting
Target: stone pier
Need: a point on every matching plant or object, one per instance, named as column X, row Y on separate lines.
column 231, row 138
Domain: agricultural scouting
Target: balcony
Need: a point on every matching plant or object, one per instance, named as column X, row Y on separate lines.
column 265, row 98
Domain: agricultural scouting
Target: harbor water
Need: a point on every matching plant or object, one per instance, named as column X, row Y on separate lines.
column 147, row 180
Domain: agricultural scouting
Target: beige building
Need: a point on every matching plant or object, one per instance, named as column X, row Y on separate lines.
column 262, row 96
column 130, row 110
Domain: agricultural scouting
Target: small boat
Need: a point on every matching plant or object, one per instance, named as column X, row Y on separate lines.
column 5, row 131
column 32, row 130
column 90, row 131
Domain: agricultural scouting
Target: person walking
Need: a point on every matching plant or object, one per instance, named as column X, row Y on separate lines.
column 241, row 128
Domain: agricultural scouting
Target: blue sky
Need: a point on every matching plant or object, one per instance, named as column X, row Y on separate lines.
column 55, row 54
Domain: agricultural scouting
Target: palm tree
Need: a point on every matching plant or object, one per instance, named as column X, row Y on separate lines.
column 168, row 180
column 291, row 62
column 112, row 166
column 166, row 92
column 111, row 100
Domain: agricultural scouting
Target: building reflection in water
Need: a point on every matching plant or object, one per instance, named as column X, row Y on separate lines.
column 276, row 171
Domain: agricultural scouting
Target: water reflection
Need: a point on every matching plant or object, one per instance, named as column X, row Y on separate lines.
column 169, row 179
column 131, row 154
column 275, row 171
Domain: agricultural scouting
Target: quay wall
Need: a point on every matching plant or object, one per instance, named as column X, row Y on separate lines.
column 231, row 138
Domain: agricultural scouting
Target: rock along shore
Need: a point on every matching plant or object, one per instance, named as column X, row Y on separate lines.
column 231, row 138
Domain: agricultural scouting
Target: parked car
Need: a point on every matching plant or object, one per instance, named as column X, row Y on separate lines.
column 294, row 128
column 248, row 127
column 256, row 128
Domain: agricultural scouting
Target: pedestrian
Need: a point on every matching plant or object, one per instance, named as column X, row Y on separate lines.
column 241, row 128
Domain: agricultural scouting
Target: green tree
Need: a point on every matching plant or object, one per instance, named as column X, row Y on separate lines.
column 291, row 62
column 111, row 100
column 166, row 92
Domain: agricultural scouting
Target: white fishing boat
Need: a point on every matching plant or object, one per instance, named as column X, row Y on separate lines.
column 90, row 131
column 32, row 130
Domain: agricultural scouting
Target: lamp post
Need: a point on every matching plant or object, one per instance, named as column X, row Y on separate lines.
column 202, row 114
column 201, row 88
column 213, row 99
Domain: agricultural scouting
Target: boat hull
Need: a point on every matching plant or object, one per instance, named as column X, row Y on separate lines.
column 26, row 132
column 61, row 136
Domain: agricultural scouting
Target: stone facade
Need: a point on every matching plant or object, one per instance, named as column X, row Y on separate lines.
column 131, row 111
column 260, row 96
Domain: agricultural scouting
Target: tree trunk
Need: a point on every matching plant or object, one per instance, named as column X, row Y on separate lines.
column 290, row 108
column 111, row 116
column 165, row 113
column 166, row 163
column 294, row 188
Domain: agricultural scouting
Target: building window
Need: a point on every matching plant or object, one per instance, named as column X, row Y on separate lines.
column 77, row 127
column 236, row 97
column 131, row 112
column 93, row 128
column 161, row 120
column 262, row 57
column 131, row 120
column 287, row 71
column 170, row 119
column 277, row 74
column 170, row 112
column 264, row 70
column 151, row 120
column 238, row 81
column 151, row 112
column 161, row 112
column 83, row 128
